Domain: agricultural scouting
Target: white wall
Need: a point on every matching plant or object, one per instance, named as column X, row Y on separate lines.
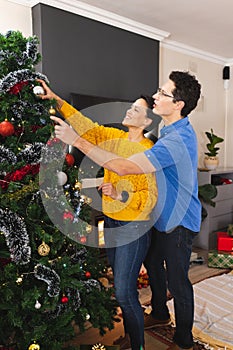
column 15, row 17
column 216, row 109
column 211, row 110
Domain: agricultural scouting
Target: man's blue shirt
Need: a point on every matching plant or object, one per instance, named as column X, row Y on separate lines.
column 175, row 159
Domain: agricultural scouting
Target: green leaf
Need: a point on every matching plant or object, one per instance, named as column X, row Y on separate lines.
column 207, row 192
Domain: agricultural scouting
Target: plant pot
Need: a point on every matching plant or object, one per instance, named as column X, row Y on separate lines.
column 211, row 163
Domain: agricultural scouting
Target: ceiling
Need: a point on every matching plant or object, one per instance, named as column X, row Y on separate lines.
column 204, row 25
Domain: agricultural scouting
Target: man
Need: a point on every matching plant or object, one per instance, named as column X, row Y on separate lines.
column 178, row 211
column 127, row 202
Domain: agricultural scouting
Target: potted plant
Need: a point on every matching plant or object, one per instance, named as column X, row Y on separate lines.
column 206, row 193
column 211, row 160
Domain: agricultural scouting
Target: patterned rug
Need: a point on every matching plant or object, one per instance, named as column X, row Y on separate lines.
column 165, row 335
column 213, row 316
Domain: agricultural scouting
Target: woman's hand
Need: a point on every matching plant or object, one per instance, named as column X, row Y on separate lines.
column 109, row 190
column 49, row 94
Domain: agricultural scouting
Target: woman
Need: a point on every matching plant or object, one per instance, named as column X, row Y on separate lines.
column 127, row 203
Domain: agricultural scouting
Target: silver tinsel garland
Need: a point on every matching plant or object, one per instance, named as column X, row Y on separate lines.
column 91, row 284
column 6, row 155
column 31, row 154
column 17, row 240
column 21, row 75
column 49, row 276
column 28, row 56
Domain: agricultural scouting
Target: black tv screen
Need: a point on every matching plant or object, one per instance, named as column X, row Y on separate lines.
column 81, row 101
column 104, row 110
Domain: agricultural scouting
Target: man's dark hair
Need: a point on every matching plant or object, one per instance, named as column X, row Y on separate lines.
column 187, row 89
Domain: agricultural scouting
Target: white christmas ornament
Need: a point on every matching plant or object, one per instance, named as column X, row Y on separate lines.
column 61, row 178
column 38, row 90
column 37, row 305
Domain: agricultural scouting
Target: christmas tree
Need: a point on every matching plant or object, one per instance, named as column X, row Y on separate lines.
column 49, row 280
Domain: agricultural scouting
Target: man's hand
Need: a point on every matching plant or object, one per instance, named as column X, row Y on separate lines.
column 64, row 132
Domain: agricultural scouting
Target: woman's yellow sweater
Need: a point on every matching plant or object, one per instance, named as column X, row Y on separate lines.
column 142, row 189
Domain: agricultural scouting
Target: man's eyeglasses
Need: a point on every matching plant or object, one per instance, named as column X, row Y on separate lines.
column 161, row 92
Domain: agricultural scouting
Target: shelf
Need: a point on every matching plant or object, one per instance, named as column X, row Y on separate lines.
column 221, row 215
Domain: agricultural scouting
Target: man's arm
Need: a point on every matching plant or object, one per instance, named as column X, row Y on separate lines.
column 136, row 164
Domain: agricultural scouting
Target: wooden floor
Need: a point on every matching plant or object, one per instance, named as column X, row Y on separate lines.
column 197, row 273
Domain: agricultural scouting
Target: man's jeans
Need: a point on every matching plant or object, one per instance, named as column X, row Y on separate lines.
column 126, row 261
column 174, row 249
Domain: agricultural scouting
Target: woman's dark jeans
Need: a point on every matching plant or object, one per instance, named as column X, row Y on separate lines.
column 174, row 249
column 126, row 261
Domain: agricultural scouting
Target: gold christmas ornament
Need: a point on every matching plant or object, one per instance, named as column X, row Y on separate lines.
column 88, row 317
column 88, row 229
column 78, row 185
column 19, row 280
column 98, row 347
column 89, row 200
column 43, row 249
column 83, row 198
column 52, row 111
column 34, row 347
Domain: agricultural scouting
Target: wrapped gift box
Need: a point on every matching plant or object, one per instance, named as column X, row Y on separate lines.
column 224, row 242
column 221, row 234
column 221, row 259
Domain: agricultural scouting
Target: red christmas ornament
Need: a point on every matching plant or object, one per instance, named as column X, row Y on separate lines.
column 56, row 140
column 64, row 299
column 68, row 216
column 83, row 240
column 6, row 128
column 69, row 159
column 53, row 141
column 88, row 274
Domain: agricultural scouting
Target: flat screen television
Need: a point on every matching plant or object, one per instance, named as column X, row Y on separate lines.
column 82, row 101
column 98, row 109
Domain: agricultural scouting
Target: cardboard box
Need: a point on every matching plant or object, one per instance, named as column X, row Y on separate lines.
column 220, row 259
column 225, row 242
